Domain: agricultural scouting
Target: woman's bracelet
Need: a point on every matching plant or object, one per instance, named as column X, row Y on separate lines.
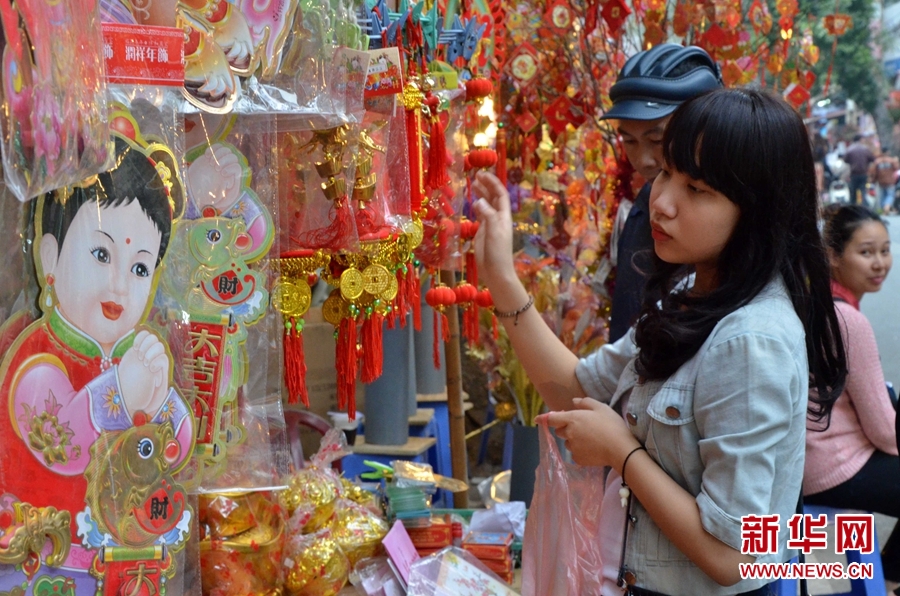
column 516, row 313
column 625, row 492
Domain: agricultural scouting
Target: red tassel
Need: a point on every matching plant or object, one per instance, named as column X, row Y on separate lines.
column 401, row 302
column 414, row 147
column 437, row 156
column 501, row 156
column 372, row 346
column 471, row 269
column 470, row 323
column 347, row 366
column 436, row 345
column 295, row 363
column 415, row 296
column 445, row 323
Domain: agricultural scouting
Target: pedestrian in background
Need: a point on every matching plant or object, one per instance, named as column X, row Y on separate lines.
column 858, row 156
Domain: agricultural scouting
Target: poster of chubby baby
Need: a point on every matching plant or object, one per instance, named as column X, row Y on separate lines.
column 92, row 428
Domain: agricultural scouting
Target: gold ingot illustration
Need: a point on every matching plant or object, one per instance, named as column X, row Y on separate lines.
column 363, row 166
column 330, row 167
column 363, row 193
column 335, row 190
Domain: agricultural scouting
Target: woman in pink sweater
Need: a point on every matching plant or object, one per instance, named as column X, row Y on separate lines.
column 853, row 464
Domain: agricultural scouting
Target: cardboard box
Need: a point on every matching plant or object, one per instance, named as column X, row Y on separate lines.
column 499, row 567
column 488, row 545
column 436, row 536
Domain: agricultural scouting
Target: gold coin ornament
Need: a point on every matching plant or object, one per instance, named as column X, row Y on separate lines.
column 377, row 279
column 415, row 231
column 335, row 308
column 391, row 291
column 291, row 298
column 352, row 284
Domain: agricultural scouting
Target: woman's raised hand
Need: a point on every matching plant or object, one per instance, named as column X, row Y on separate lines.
column 494, row 241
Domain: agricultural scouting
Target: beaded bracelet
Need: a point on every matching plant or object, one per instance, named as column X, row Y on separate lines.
column 516, row 313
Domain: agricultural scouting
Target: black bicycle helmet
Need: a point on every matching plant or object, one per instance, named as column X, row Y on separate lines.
column 656, row 81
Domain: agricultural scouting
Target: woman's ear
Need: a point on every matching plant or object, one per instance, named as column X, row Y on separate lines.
column 833, row 259
column 49, row 253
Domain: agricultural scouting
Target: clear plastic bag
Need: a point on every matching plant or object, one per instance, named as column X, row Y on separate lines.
column 456, row 572
column 561, row 551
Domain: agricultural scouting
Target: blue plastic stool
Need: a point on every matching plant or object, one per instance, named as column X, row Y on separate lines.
column 858, row 587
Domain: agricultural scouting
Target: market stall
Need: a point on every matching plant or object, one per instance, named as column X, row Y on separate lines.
column 216, row 212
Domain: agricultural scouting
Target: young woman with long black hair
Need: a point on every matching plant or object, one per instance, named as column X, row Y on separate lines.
column 713, row 381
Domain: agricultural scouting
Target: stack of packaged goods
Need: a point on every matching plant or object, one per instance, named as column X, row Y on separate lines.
column 494, row 550
column 444, row 531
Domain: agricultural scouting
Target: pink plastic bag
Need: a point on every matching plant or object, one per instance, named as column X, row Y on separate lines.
column 561, row 550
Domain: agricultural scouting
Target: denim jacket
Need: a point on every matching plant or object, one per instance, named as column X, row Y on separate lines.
column 729, row 427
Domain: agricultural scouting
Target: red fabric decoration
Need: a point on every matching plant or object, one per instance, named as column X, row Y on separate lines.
column 372, row 347
column 559, row 112
column 295, row 363
column 614, row 13
column 347, row 363
column 437, row 176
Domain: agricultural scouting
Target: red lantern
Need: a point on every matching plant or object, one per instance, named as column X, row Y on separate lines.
column 465, row 293
column 440, row 297
column 482, row 158
column 478, row 88
column 484, row 299
column 468, row 229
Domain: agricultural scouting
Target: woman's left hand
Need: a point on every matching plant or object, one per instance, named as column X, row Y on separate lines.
column 594, row 433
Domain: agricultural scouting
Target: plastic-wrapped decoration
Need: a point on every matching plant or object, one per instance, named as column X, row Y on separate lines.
column 316, row 565
column 242, row 543
column 95, row 432
column 54, row 124
column 357, row 530
column 213, row 300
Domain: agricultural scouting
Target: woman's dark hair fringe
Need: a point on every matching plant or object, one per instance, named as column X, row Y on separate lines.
column 842, row 221
column 753, row 148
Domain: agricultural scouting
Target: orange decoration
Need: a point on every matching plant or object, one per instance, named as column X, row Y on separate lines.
column 653, row 35
column 731, row 73
column 759, row 17
column 837, row 24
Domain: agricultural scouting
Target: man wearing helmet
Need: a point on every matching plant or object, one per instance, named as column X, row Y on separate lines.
column 650, row 86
